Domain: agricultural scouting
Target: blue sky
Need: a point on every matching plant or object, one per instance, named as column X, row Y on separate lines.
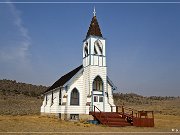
column 41, row 42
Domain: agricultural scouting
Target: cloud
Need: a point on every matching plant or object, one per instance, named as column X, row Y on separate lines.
column 16, row 47
column 15, row 43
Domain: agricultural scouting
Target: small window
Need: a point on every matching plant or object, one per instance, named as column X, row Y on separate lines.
column 95, row 98
column 74, row 97
column 86, row 49
column 60, row 97
column 52, row 99
column 74, row 116
column 46, row 99
column 100, row 99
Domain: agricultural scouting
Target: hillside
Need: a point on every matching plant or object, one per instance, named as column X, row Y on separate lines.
column 11, row 86
column 18, row 98
column 161, row 105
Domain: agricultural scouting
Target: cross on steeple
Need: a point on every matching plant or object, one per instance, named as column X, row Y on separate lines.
column 94, row 11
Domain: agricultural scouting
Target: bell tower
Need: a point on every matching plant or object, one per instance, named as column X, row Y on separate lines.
column 94, row 52
column 94, row 64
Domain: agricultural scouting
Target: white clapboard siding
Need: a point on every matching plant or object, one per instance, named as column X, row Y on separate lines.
column 78, row 84
column 54, row 106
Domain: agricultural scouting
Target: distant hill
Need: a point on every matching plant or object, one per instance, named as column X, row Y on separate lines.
column 13, row 87
column 132, row 98
column 162, row 105
column 17, row 98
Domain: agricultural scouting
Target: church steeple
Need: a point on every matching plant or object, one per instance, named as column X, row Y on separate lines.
column 94, row 29
column 94, row 47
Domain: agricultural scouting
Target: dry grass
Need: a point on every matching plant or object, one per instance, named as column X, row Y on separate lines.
column 19, row 105
column 20, row 113
column 166, row 107
column 44, row 124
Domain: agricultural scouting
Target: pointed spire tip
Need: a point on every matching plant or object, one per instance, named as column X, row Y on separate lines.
column 94, row 12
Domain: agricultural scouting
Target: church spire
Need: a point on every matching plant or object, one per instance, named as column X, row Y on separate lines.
column 94, row 29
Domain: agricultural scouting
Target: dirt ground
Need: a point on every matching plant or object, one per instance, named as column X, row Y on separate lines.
column 44, row 125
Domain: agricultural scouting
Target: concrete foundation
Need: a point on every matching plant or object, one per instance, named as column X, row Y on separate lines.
column 82, row 117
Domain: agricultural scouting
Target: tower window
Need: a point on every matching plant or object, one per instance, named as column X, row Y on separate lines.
column 98, row 84
column 95, row 51
column 98, row 47
column 86, row 49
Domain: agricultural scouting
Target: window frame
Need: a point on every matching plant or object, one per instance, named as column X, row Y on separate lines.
column 74, row 97
column 60, row 97
column 95, row 99
column 52, row 98
column 98, row 84
column 102, row 100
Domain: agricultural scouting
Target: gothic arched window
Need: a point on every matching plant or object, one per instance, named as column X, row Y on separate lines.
column 98, row 84
column 98, row 46
column 74, row 97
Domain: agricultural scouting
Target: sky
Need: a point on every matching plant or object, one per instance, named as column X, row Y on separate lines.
column 40, row 42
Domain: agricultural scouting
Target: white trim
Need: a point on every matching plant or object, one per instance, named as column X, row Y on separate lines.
column 70, row 80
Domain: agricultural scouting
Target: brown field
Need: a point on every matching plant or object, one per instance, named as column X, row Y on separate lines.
column 20, row 113
column 163, row 123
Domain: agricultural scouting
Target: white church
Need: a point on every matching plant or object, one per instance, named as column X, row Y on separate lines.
column 76, row 93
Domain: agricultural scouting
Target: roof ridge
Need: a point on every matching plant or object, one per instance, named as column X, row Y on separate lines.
column 64, row 78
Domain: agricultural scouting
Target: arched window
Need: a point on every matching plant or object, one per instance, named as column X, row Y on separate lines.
column 98, row 84
column 74, row 97
column 98, row 46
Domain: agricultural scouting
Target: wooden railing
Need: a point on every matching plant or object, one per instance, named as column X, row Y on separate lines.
column 100, row 115
column 125, row 111
column 144, row 119
column 139, row 118
column 132, row 116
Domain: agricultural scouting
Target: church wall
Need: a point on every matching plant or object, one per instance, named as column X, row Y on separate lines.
column 78, row 84
column 109, row 89
column 54, row 106
column 49, row 107
column 109, row 98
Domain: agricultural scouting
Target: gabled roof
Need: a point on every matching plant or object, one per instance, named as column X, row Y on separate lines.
column 111, row 83
column 94, row 28
column 64, row 79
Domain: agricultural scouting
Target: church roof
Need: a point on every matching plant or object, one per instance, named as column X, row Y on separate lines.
column 94, row 28
column 64, row 79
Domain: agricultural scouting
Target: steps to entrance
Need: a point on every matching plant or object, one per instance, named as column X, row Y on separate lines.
column 123, row 118
column 111, row 119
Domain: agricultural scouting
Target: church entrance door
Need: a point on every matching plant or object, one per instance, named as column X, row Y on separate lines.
column 98, row 102
column 97, row 98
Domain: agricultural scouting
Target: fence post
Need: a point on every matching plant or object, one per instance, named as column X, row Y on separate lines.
column 116, row 109
column 123, row 111
column 132, row 114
